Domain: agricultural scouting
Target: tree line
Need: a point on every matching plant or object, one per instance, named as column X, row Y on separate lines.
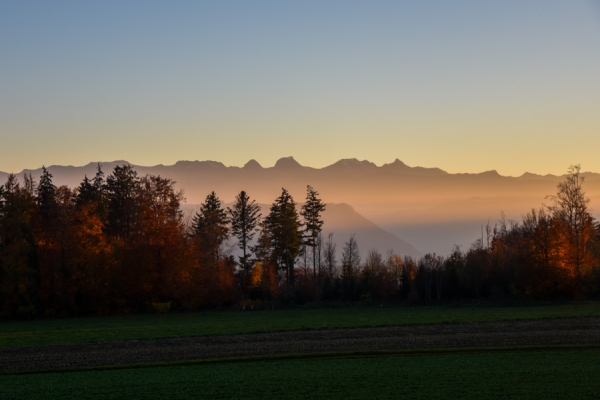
column 122, row 244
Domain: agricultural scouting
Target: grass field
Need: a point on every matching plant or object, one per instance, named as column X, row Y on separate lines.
column 130, row 327
column 531, row 375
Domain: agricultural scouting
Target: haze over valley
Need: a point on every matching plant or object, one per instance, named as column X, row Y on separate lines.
column 411, row 210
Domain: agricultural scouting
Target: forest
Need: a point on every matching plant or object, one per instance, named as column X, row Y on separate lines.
column 121, row 244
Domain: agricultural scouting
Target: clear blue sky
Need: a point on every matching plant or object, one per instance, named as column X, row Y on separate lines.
column 466, row 86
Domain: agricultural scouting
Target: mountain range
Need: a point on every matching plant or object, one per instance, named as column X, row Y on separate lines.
column 428, row 207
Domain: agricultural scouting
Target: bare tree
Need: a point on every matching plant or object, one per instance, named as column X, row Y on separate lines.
column 330, row 255
column 350, row 264
column 432, row 268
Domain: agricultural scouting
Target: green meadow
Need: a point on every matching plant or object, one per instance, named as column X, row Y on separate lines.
column 131, row 327
column 527, row 374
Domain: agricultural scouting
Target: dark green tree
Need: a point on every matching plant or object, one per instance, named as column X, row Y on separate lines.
column 245, row 217
column 2, row 201
column 19, row 262
column 311, row 212
column 50, row 244
column 210, row 227
column 46, row 196
column 91, row 193
column 284, row 230
column 91, row 190
column 210, row 231
column 85, row 192
column 122, row 189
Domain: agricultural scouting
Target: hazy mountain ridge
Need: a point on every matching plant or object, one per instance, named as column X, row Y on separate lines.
column 403, row 200
column 284, row 164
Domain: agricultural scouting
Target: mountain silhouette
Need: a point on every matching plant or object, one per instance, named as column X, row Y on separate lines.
column 428, row 207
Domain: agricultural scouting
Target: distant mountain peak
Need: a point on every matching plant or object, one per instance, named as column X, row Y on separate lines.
column 530, row 175
column 252, row 164
column 396, row 164
column 196, row 164
column 287, row 163
column 348, row 163
column 492, row 172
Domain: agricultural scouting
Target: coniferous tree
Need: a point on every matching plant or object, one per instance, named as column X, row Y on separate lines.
column 210, row 231
column 123, row 228
column 245, row 217
column 283, row 227
column 50, row 245
column 85, row 192
column 210, row 226
column 92, row 193
column 19, row 264
column 46, row 196
column 122, row 188
column 311, row 212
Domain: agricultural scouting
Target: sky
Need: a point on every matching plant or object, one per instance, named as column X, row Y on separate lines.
column 466, row 86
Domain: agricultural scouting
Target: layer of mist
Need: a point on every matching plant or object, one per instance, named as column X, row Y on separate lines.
column 427, row 207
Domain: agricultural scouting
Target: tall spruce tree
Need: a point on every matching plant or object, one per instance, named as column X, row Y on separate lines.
column 122, row 188
column 19, row 263
column 92, row 190
column 85, row 192
column 46, row 196
column 210, row 226
column 245, row 217
column 313, row 224
column 284, row 229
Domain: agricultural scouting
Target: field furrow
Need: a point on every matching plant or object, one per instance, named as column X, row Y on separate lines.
column 541, row 332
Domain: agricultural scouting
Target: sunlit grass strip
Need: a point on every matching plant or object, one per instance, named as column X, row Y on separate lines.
column 154, row 326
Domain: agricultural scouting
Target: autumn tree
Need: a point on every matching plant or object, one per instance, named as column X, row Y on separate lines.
column 395, row 266
column 245, row 217
column 162, row 231
column 571, row 207
column 311, row 212
column 264, row 274
column 93, row 260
